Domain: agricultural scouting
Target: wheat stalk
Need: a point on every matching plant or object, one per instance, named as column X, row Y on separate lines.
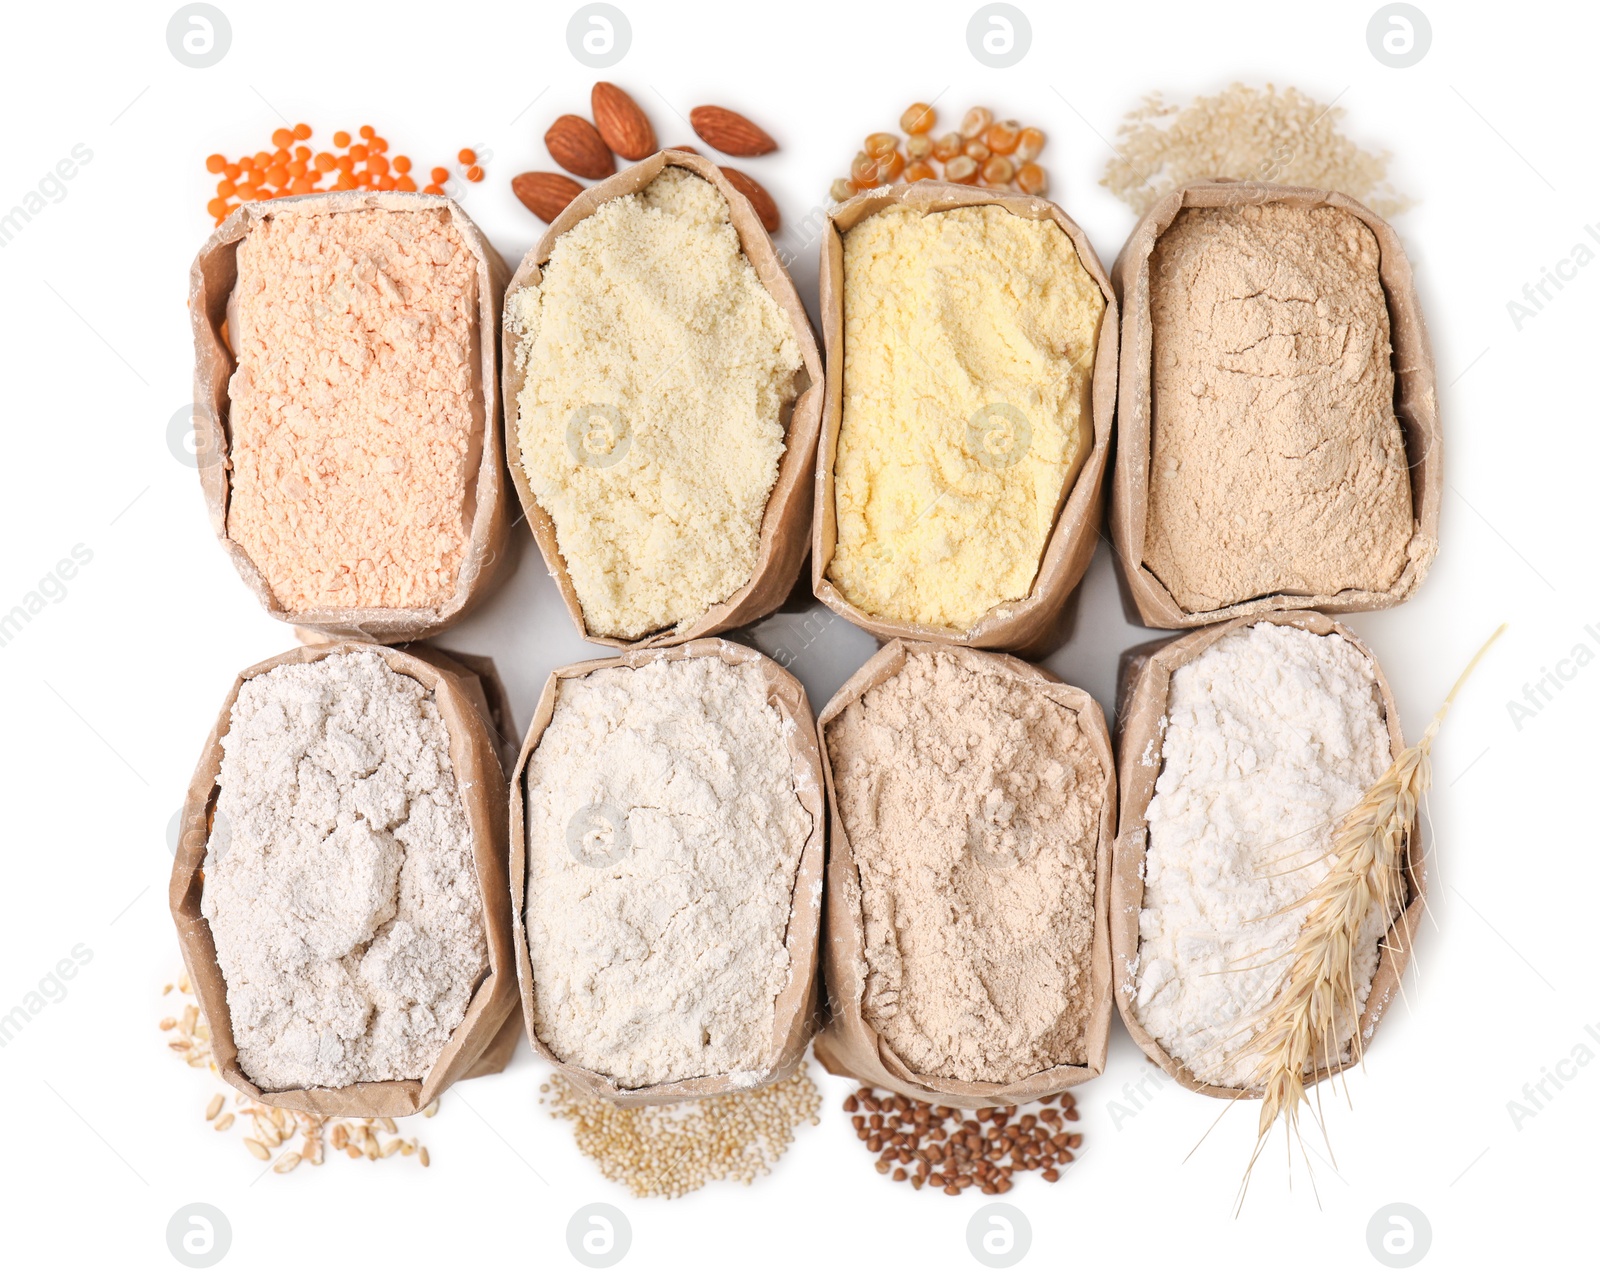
column 1300, row 1029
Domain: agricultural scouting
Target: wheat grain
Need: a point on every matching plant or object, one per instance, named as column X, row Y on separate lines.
column 271, row 1127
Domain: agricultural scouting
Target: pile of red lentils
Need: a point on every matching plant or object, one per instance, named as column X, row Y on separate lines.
column 955, row 1149
column 361, row 162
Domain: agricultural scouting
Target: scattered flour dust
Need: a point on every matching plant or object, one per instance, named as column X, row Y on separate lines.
column 651, row 420
column 664, row 836
column 339, row 877
column 1273, row 734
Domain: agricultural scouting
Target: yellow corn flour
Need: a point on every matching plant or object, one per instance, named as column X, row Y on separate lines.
column 969, row 341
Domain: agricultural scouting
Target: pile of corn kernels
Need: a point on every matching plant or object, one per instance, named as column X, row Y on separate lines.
column 998, row 153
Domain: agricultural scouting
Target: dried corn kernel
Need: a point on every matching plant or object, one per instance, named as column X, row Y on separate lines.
column 919, row 146
column 1031, row 179
column 918, row 119
column 975, row 149
column 890, row 167
column 1002, row 137
column 963, row 170
column 880, row 145
column 863, row 171
column 919, row 170
column 948, row 147
column 998, row 171
column 975, row 121
column 1030, row 141
column 840, row 190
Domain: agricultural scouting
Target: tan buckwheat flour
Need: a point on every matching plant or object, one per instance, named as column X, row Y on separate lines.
column 340, row 884
column 972, row 804
column 1272, row 735
column 353, row 435
column 651, row 419
column 664, row 836
column 1276, row 461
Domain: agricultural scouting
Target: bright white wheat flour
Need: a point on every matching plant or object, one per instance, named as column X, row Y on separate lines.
column 658, row 367
column 339, row 878
column 664, row 835
column 1272, row 735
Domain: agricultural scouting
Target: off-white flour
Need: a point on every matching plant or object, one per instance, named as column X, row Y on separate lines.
column 972, row 800
column 664, row 836
column 339, row 877
column 651, row 420
column 1272, row 735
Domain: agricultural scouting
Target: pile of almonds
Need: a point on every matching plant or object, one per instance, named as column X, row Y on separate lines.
column 998, row 153
column 621, row 128
column 272, row 1129
column 949, row 1148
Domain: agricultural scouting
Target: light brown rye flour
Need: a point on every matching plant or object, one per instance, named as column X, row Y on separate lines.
column 972, row 803
column 1277, row 464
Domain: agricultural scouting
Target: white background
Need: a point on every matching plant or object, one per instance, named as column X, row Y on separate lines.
column 109, row 693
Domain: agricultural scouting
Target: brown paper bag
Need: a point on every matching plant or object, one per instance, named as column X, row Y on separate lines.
column 798, row 1009
column 480, row 1043
column 1031, row 625
column 851, row 1047
column 788, row 514
column 1145, row 598
column 1145, row 676
column 211, row 282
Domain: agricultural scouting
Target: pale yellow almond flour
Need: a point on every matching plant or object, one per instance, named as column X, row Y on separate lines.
column 651, row 421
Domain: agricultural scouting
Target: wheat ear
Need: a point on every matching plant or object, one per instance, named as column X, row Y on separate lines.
column 1300, row 1028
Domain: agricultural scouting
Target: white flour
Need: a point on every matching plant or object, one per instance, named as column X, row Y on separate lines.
column 1273, row 734
column 664, row 834
column 340, row 884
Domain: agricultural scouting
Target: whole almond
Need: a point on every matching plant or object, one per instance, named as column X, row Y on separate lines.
column 545, row 194
column 574, row 143
column 689, row 150
column 760, row 200
column 620, row 122
column 730, row 132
